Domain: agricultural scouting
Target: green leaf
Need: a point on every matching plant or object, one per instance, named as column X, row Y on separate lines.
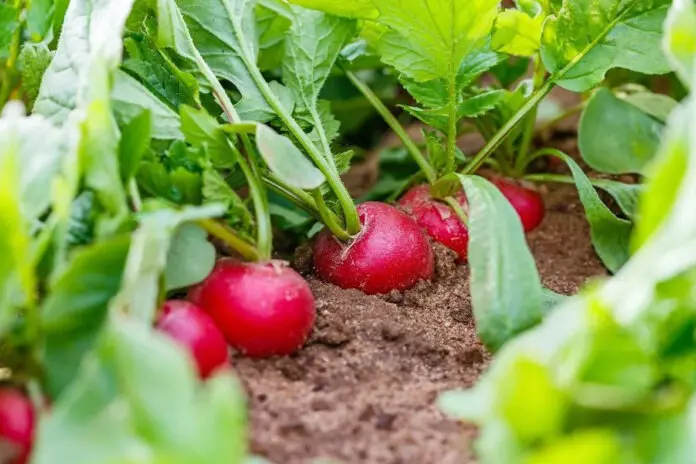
column 286, row 160
column 80, row 224
column 480, row 104
column 94, row 41
column 657, row 105
column 313, row 44
column 75, row 310
column 273, row 19
column 219, row 35
column 191, row 257
column 587, row 38
column 9, row 22
column 130, row 99
column 203, row 130
column 39, row 19
column 680, row 39
column 364, row 9
column 177, row 184
column 126, row 417
column 517, row 33
column 147, row 258
column 41, row 157
column 135, row 141
column 156, row 71
column 32, row 63
column 217, row 190
column 469, row 107
column 610, row 235
column 615, row 137
column 626, row 195
column 506, row 290
column 99, row 151
column 16, row 272
column 665, row 176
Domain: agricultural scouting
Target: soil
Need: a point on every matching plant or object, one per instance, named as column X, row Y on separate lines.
column 363, row 390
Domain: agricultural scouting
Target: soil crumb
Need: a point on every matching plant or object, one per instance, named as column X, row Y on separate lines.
column 363, row 390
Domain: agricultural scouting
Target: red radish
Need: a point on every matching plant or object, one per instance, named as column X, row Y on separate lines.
column 17, row 423
column 390, row 253
column 195, row 330
column 437, row 218
column 527, row 202
column 263, row 309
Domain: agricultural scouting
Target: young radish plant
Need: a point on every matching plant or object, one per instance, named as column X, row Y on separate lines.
column 608, row 377
column 281, row 127
column 442, row 71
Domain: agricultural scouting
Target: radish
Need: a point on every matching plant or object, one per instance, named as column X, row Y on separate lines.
column 263, row 309
column 391, row 252
column 17, row 423
column 527, row 202
column 193, row 329
column 437, row 218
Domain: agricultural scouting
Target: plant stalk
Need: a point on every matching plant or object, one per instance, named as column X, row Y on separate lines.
column 328, row 218
column 320, row 160
column 264, row 231
column 530, row 123
column 395, row 126
column 452, row 123
column 230, row 237
column 504, row 131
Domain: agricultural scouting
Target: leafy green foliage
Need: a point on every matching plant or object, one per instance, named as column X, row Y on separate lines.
column 158, row 73
column 313, row 44
column 610, row 234
column 506, row 290
column 517, row 33
column 615, row 137
column 147, row 258
column 32, row 63
column 286, row 161
column 190, row 259
column 9, row 23
column 680, row 38
column 607, row 376
column 584, row 39
column 180, row 423
column 91, row 44
column 75, row 310
column 130, row 99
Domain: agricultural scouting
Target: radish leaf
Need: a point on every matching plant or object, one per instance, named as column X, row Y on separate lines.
column 195, row 423
column 286, row 160
column 584, row 39
column 517, row 33
column 680, row 38
column 75, row 310
column 610, row 235
column 190, row 259
column 147, row 258
column 130, row 98
column 506, row 291
column 615, row 137
column 94, row 41
column 313, row 44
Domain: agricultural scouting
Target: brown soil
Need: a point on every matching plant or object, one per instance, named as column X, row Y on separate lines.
column 364, row 387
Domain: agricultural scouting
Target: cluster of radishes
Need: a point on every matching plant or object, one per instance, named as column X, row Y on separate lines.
column 266, row 309
column 260, row 309
column 392, row 251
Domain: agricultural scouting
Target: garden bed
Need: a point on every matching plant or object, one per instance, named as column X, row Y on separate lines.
column 364, row 388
